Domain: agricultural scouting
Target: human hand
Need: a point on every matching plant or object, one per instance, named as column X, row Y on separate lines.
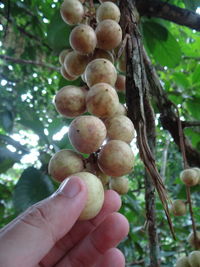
column 48, row 233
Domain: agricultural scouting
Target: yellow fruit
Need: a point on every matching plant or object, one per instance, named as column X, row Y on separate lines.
column 189, row 177
column 87, row 133
column 64, row 163
column 183, row 262
column 95, row 197
column 178, row 208
column 116, row 158
column 120, row 185
column 194, row 259
column 191, row 240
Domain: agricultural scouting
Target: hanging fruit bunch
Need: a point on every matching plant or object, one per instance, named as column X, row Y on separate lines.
column 106, row 133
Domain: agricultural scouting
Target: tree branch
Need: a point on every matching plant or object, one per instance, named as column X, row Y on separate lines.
column 30, row 62
column 186, row 124
column 164, row 10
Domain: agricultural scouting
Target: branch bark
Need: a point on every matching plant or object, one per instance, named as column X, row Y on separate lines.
column 164, row 10
column 30, row 62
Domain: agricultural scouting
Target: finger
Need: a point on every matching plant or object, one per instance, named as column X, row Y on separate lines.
column 111, row 204
column 111, row 231
column 34, row 233
column 112, row 257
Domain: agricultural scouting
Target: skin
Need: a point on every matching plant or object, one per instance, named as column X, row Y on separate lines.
column 49, row 233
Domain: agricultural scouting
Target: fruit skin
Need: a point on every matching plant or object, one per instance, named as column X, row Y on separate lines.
column 194, row 258
column 62, row 55
column 95, row 197
column 64, row 163
column 72, row 11
column 191, row 240
column 198, row 172
column 121, row 110
column 109, row 34
column 83, row 39
column 87, row 133
column 100, row 70
column 66, row 75
column 108, row 10
column 70, row 101
column 120, row 128
column 102, row 100
column 116, row 158
column 75, row 63
column 178, row 208
column 183, row 262
column 189, row 177
column 120, row 84
column 99, row 53
column 120, row 185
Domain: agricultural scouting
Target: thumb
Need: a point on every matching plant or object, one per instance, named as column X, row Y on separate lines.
column 30, row 236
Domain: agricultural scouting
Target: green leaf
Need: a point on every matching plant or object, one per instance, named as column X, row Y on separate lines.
column 181, row 80
column 32, row 187
column 162, row 44
column 193, row 107
column 196, row 75
column 7, row 159
column 58, row 33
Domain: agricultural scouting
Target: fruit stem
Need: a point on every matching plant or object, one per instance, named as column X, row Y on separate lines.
column 189, row 201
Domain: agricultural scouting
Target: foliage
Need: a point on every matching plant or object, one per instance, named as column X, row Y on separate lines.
column 29, row 124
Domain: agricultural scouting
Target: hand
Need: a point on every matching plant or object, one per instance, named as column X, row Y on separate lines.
column 48, row 233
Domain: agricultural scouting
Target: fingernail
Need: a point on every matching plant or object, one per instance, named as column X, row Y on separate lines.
column 70, row 187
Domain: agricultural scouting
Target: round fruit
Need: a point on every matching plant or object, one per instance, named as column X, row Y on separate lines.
column 108, row 10
column 120, row 128
column 83, row 39
column 120, row 185
column 191, row 240
column 198, row 171
column 116, row 158
column 99, row 53
column 75, row 63
column 64, row 163
column 70, row 101
column 63, row 54
column 87, row 133
column 103, row 177
column 121, row 110
column 66, row 75
column 183, row 262
column 194, row 258
column 102, row 100
column 72, row 11
column 109, row 34
column 189, row 177
column 100, row 71
column 120, row 84
column 95, row 196
column 178, row 208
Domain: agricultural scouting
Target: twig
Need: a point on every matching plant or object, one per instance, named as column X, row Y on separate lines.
column 186, row 124
column 164, row 159
column 30, row 62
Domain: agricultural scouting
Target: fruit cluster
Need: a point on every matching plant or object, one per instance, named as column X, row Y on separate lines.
column 106, row 133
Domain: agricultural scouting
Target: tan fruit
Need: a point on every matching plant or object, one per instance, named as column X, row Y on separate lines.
column 116, row 158
column 103, row 177
column 109, row 34
column 75, row 63
column 198, row 172
column 191, row 240
column 102, row 100
column 70, row 101
column 183, row 262
column 120, row 185
column 121, row 110
column 120, row 84
column 87, row 133
column 99, row 53
column 120, row 128
column 189, row 177
column 83, row 39
column 100, row 71
column 64, row 163
column 194, row 258
column 62, row 55
column 108, row 10
column 95, row 195
column 179, row 208
column 72, row 11
column 66, row 75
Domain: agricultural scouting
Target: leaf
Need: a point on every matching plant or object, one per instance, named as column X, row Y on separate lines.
column 196, row 75
column 58, row 33
column 32, row 187
column 7, row 159
column 6, row 120
column 181, row 80
column 193, row 107
column 162, row 44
